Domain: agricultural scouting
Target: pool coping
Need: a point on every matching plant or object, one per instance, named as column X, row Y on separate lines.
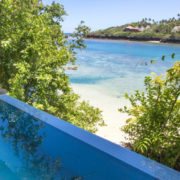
column 145, row 165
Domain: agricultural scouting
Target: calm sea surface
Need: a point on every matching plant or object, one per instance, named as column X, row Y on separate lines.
column 119, row 66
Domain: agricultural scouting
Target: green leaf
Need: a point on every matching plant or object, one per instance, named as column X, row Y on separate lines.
column 153, row 61
column 154, row 131
column 163, row 58
column 34, row 52
column 173, row 55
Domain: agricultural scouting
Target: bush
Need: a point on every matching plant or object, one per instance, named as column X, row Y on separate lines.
column 146, row 35
column 175, row 36
column 154, row 129
column 33, row 54
column 122, row 34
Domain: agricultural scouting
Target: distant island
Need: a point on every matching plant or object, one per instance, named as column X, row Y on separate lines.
column 145, row 30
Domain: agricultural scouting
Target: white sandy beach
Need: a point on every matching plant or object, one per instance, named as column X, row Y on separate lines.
column 114, row 120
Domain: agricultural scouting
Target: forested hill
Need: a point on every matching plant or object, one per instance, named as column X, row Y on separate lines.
column 147, row 29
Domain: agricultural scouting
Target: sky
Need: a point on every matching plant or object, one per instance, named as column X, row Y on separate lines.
column 101, row 14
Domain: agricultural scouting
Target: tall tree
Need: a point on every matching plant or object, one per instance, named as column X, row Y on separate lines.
column 33, row 53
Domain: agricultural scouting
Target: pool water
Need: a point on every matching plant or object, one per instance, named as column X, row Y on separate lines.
column 120, row 66
column 21, row 139
column 33, row 150
column 35, row 145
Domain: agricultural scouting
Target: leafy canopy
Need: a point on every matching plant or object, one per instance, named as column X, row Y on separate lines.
column 154, row 126
column 33, row 54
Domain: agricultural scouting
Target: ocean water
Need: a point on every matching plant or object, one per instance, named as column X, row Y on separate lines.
column 120, row 66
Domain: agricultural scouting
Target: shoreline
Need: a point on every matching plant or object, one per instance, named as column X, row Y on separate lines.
column 135, row 40
column 109, row 106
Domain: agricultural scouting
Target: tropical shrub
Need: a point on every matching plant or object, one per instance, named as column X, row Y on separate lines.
column 154, row 126
column 33, row 54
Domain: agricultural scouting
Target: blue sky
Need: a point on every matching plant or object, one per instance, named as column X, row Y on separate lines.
column 100, row 14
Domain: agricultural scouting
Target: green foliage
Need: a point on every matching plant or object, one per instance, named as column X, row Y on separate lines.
column 153, row 30
column 146, row 35
column 33, row 53
column 153, row 61
column 78, row 36
column 154, row 126
column 163, row 58
column 173, row 55
column 175, row 36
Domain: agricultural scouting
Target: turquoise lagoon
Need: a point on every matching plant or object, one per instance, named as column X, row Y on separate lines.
column 119, row 66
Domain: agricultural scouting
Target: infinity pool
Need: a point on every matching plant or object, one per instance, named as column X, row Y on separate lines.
column 36, row 145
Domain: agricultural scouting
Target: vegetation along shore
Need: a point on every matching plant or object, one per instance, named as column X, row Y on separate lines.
column 145, row 30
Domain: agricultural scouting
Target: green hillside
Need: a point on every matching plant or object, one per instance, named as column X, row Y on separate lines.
column 164, row 30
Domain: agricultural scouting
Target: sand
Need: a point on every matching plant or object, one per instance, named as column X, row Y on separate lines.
column 157, row 42
column 99, row 97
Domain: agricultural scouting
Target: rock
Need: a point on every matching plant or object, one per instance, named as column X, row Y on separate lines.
column 142, row 29
column 2, row 91
column 147, row 27
column 176, row 29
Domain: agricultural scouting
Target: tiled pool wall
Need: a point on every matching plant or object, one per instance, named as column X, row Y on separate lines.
column 84, row 154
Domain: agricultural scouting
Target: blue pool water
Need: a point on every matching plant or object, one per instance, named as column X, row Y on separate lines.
column 37, row 146
column 33, row 150
column 119, row 66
